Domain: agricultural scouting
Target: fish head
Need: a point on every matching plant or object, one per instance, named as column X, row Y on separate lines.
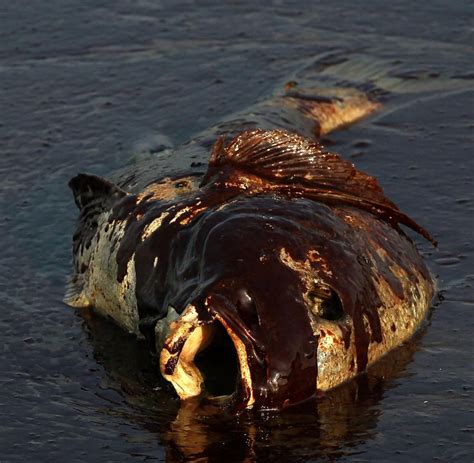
column 290, row 263
column 261, row 290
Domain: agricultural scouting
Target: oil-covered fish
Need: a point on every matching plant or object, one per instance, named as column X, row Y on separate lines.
column 281, row 261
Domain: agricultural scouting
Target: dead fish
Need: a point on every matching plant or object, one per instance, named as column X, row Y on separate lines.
column 282, row 262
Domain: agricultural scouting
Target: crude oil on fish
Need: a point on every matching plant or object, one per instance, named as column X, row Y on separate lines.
column 278, row 254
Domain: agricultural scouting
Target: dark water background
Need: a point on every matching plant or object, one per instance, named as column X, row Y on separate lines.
column 89, row 85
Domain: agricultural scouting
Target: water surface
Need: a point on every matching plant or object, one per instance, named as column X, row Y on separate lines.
column 93, row 85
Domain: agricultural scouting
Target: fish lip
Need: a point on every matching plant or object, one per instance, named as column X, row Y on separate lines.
column 191, row 334
column 243, row 397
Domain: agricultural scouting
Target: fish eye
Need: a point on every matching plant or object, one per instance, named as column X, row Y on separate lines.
column 328, row 305
column 331, row 309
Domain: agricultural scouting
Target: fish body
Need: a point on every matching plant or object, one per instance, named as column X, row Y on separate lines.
column 280, row 254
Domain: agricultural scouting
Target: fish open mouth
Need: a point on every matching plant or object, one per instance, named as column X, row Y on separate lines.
column 218, row 363
column 206, row 359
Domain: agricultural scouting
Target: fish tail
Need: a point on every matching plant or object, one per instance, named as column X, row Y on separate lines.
column 379, row 76
column 340, row 87
column 330, row 108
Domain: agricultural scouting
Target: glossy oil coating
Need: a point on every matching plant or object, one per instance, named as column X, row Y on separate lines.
column 270, row 204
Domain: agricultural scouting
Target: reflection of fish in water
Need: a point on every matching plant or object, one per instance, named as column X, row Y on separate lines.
column 333, row 425
column 281, row 261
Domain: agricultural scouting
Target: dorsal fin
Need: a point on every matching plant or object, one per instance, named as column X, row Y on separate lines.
column 90, row 189
column 296, row 163
column 93, row 196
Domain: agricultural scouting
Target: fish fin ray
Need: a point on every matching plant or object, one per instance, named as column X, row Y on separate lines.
column 289, row 158
column 74, row 295
column 298, row 164
column 93, row 196
column 91, row 190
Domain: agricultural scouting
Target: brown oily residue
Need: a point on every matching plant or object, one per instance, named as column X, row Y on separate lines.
column 219, row 249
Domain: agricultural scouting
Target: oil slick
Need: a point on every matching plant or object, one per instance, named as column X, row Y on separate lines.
column 280, row 256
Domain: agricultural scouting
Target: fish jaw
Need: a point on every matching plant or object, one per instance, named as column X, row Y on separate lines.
column 336, row 342
column 187, row 337
column 272, row 372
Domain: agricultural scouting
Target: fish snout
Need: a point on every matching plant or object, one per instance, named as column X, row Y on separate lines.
column 236, row 347
column 206, row 355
